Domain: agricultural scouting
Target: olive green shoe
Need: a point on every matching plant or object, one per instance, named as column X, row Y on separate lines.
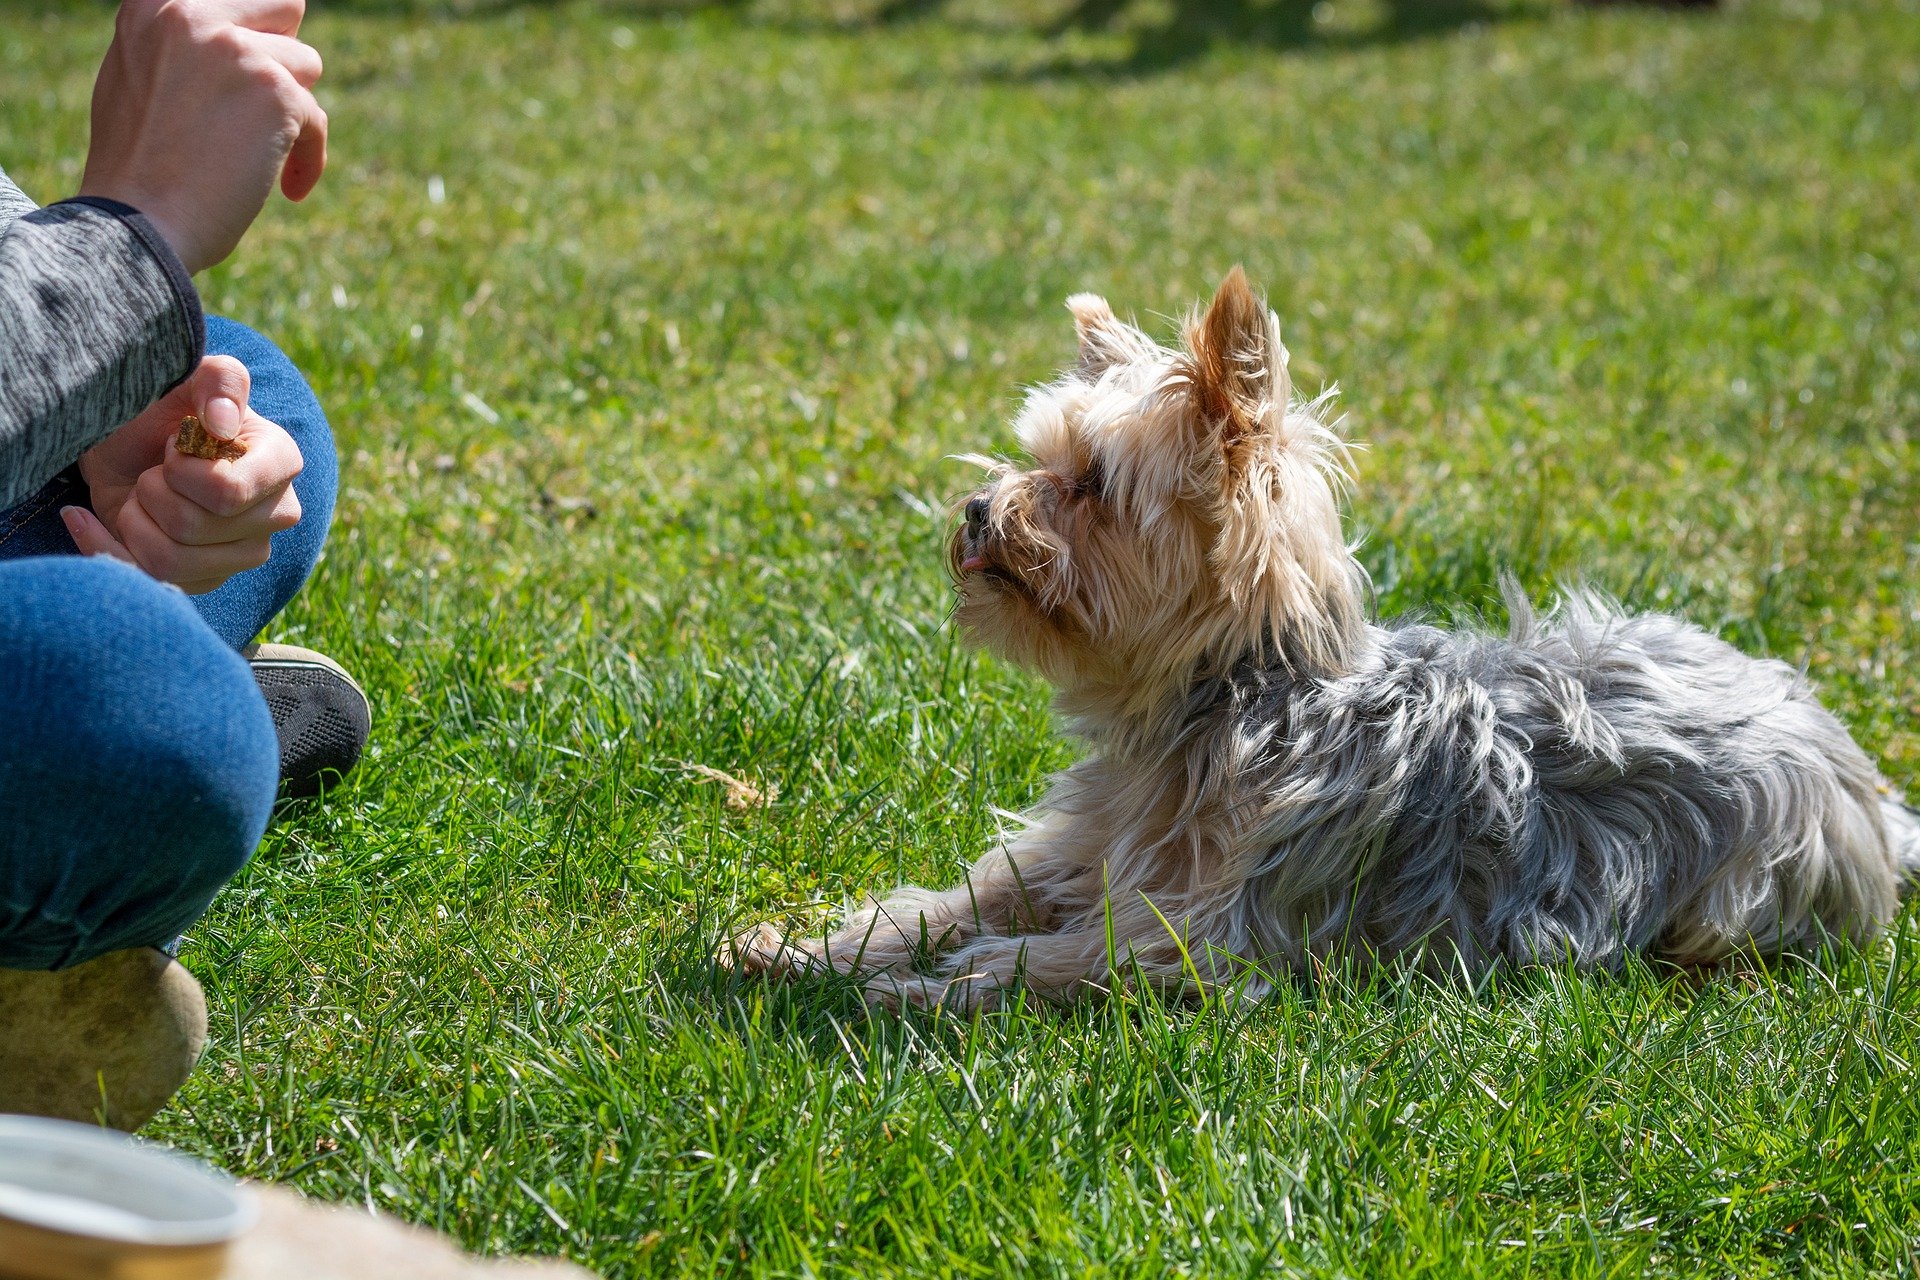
column 108, row 1041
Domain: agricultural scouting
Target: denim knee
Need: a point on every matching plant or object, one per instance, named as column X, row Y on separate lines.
column 138, row 763
column 244, row 605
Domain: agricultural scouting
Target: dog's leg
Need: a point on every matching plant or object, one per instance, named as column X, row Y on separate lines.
column 1094, row 954
column 1056, row 967
column 912, row 922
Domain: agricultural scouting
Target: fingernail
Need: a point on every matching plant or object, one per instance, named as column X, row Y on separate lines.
column 222, row 418
column 70, row 517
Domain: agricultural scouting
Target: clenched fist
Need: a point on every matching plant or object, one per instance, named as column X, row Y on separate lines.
column 199, row 107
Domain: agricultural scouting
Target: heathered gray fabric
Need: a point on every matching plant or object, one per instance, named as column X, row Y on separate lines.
column 98, row 319
column 13, row 201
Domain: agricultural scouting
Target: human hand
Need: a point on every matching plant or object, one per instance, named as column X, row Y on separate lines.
column 190, row 521
column 199, row 106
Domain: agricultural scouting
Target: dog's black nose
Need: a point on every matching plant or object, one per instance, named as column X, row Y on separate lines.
column 977, row 511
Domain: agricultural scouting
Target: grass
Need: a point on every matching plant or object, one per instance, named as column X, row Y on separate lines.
column 646, row 333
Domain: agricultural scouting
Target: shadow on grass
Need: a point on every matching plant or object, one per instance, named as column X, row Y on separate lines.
column 828, row 1017
column 1154, row 42
column 1151, row 43
column 1195, row 28
column 1191, row 30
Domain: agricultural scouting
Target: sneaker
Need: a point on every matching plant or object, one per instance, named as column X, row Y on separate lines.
column 319, row 713
column 108, row 1041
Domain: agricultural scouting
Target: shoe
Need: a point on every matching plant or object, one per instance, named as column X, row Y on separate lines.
column 319, row 713
column 105, row 1042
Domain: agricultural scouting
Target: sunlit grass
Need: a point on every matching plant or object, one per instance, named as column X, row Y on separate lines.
column 647, row 334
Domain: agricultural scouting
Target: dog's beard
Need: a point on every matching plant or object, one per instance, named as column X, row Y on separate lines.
column 982, row 560
column 1007, row 586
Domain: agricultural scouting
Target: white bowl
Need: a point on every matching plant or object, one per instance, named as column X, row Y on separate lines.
column 90, row 1182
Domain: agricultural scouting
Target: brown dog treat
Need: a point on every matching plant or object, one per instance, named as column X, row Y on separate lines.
column 196, row 441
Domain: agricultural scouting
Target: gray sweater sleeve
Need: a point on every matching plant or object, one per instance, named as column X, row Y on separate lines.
column 98, row 319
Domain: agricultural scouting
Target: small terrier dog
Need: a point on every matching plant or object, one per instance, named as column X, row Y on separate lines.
column 1271, row 779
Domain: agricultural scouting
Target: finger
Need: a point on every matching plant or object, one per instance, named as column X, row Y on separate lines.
column 301, row 60
column 220, row 387
column 184, row 566
column 188, row 523
column 280, row 17
column 227, row 488
column 308, row 158
column 91, row 537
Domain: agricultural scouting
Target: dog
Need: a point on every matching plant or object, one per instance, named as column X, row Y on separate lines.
column 1272, row 780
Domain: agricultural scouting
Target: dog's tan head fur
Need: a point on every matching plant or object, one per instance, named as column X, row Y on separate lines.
column 1181, row 513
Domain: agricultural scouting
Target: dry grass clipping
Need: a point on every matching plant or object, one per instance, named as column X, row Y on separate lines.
column 741, row 794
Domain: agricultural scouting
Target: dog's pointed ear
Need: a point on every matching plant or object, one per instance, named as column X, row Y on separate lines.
column 1237, row 364
column 1280, row 554
column 1105, row 339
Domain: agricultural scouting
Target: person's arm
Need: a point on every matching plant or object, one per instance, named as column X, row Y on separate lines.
column 200, row 108
column 98, row 319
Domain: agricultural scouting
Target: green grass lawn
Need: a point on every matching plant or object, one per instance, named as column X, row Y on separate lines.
column 646, row 334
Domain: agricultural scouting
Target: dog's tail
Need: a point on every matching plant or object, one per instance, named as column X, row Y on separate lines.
column 1903, row 830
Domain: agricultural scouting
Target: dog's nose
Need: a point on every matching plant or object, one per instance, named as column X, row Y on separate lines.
column 977, row 511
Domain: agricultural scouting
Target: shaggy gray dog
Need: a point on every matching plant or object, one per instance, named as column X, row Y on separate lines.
column 1272, row 780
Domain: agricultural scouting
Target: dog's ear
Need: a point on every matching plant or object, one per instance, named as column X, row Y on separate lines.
column 1105, row 339
column 1279, row 554
column 1236, row 364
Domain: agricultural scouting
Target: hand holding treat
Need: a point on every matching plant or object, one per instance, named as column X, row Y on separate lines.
column 193, row 490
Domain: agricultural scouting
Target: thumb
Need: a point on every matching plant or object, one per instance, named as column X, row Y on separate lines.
column 91, row 536
column 219, row 389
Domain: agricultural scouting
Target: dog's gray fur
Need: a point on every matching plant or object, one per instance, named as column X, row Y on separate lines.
column 1590, row 785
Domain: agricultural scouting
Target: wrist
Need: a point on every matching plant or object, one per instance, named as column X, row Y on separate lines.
column 123, row 200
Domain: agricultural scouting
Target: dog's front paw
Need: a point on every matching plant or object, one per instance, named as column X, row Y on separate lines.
column 764, row 950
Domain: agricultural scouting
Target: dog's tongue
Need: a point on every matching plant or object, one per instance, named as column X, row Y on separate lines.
column 973, row 561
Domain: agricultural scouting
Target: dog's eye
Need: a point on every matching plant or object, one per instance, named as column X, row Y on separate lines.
column 1091, row 483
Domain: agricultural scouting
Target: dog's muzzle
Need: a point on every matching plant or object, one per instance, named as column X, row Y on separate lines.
column 973, row 538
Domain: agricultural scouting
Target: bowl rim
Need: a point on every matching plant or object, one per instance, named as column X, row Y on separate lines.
column 128, row 1157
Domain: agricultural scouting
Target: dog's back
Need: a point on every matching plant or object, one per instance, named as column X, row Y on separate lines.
column 1593, row 783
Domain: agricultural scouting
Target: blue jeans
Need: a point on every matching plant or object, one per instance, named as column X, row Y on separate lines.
column 138, row 764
